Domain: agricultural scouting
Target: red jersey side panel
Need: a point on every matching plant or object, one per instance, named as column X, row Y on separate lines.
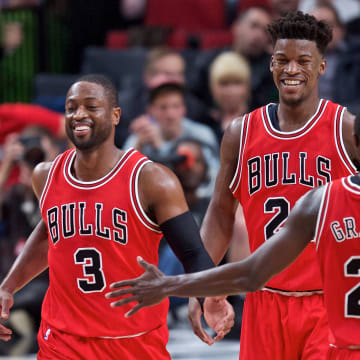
column 96, row 231
column 338, row 249
column 276, row 168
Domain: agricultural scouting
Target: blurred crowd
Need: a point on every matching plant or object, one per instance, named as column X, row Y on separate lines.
column 184, row 69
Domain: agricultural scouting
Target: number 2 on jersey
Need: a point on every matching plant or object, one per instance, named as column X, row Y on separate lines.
column 281, row 207
column 91, row 261
column 352, row 297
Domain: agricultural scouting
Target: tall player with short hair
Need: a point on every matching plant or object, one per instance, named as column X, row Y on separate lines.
column 269, row 158
column 101, row 206
column 327, row 214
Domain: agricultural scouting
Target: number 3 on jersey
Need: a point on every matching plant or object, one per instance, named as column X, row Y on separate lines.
column 281, row 208
column 91, row 261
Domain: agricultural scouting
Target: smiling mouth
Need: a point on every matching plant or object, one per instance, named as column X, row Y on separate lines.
column 291, row 82
column 81, row 129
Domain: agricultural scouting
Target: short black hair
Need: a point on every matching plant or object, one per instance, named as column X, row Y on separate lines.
column 106, row 83
column 164, row 89
column 297, row 25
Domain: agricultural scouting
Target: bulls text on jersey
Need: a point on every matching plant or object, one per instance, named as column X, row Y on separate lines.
column 72, row 225
column 273, row 169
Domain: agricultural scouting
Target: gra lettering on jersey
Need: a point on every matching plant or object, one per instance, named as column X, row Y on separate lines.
column 73, row 222
column 346, row 229
column 272, row 169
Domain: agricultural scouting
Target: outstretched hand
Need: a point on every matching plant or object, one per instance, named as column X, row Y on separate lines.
column 147, row 290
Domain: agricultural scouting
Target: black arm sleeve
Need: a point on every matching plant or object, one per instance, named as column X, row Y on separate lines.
column 182, row 234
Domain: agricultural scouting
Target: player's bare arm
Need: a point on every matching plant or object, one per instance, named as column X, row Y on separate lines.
column 32, row 260
column 217, row 227
column 162, row 197
column 243, row 276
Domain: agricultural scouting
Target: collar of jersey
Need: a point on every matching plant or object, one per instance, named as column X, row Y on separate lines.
column 96, row 183
column 292, row 134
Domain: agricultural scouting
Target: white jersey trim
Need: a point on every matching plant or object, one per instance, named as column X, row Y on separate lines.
column 136, row 199
column 352, row 169
column 267, row 122
column 294, row 293
column 322, row 214
column 123, row 337
column 48, row 182
column 76, row 183
column 355, row 190
column 238, row 172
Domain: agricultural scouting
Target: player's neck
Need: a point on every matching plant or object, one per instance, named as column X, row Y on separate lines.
column 93, row 165
column 293, row 117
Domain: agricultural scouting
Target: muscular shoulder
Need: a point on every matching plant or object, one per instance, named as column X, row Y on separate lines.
column 157, row 178
column 230, row 144
column 39, row 177
column 160, row 191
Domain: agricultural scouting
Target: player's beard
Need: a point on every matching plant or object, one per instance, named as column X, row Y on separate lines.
column 97, row 137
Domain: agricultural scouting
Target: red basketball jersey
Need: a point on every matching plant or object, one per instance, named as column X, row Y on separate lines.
column 338, row 248
column 96, row 230
column 275, row 168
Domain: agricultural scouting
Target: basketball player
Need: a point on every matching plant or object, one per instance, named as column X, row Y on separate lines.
column 327, row 214
column 101, row 207
column 269, row 159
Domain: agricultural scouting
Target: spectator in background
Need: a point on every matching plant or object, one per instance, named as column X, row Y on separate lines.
column 341, row 80
column 229, row 80
column 346, row 9
column 156, row 132
column 162, row 65
column 251, row 40
column 19, row 214
column 12, row 37
column 328, row 13
column 14, row 117
column 280, row 8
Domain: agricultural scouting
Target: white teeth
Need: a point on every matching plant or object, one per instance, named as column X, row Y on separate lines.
column 82, row 127
column 292, row 82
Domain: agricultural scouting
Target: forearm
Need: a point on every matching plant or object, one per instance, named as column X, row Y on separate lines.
column 227, row 279
column 182, row 234
column 216, row 232
column 31, row 262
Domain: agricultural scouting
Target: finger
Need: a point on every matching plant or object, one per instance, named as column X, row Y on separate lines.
column 5, row 337
column 125, row 301
column 219, row 336
column 5, row 308
column 199, row 331
column 4, row 331
column 145, row 265
column 118, row 293
column 224, row 327
column 122, row 283
column 134, row 310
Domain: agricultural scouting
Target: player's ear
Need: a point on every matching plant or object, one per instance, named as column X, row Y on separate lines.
column 272, row 63
column 115, row 115
column 322, row 68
